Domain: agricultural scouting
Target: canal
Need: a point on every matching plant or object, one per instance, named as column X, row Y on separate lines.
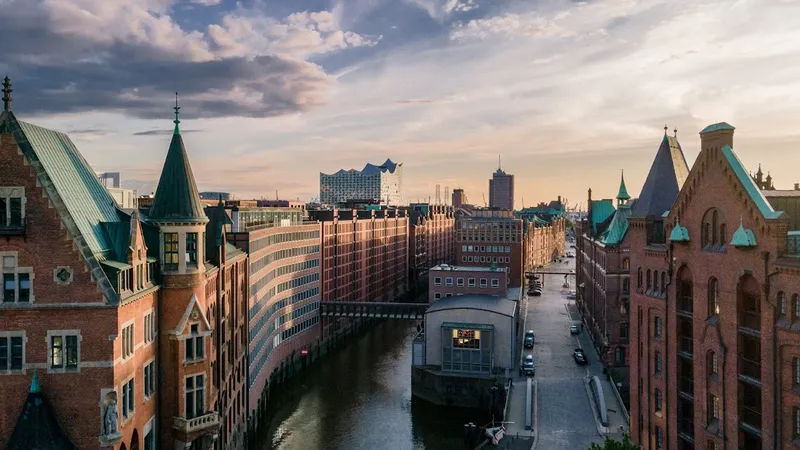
column 359, row 398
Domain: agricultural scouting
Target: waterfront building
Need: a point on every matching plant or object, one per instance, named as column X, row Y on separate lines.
column 716, row 304
column 364, row 257
column 122, row 335
column 284, row 296
column 446, row 281
column 382, row 184
column 431, row 234
column 501, row 190
column 459, row 198
column 215, row 196
column 491, row 237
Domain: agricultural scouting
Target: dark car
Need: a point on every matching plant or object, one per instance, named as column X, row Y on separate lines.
column 537, row 293
column 573, row 329
column 528, row 367
column 529, row 339
column 580, row 357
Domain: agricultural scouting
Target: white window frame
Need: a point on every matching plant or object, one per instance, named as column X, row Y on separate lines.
column 470, row 282
column 484, row 283
column 9, row 192
column 201, row 335
column 437, row 295
column 437, row 281
column 495, row 283
column 15, row 270
column 130, row 397
column 448, row 281
column 9, row 335
column 149, row 324
column 63, row 334
column 128, row 329
column 460, row 282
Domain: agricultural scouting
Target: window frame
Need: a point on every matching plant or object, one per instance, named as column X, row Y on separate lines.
column 149, row 379
column 128, row 404
column 171, row 250
column 128, row 339
column 15, row 273
column 195, row 339
column 66, row 353
column 194, row 392
column 9, row 336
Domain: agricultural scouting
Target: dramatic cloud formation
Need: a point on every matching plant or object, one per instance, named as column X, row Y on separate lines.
column 568, row 92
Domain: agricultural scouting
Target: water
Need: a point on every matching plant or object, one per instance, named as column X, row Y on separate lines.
column 359, row 398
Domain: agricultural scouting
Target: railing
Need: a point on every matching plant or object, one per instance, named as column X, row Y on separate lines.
column 378, row 310
column 198, row 423
column 751, row 417
column 793, row 244
column 749, row 368
column 14, row 227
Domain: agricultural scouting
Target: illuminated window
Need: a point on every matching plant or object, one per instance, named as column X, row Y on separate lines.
column 470, row 339
column 171, row 251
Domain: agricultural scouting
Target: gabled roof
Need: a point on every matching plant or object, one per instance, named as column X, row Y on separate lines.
column 749, row 185
column 37, row 427
column 601, row 211
column 618, row 227
column 664, row 181
column 177, row 198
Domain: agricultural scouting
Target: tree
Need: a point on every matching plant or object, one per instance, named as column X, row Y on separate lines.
column 611, row 444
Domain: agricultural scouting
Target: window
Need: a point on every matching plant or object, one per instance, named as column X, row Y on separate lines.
column 11, row 207
column 171, row 251
column 639, row 278
column 623, row 330
column 460, row 282
column 191, row 249
column 658, row 362
column 795, row 371
column 711, row 445
column 195, row 398
column 649, row 284
column 626, row 286
column 469, row 339
column 796, row 305
column 626, row 264
column 713, row 363
column 12, row 355
column 619, row 355
column 437, row 281
column 149, row 379
column 448, row 295
column 127, row 399
column 471, row 282
column 782, row 304
column 16, row 281
column 448, row 281
column 149, row 327
column 463, row 259
column 797, row 423
column 713, row 296
column 495, row 282
column 463, row 248
column 713, row 408
column 437, row 295
column 659, row 399
column 659, row 438
column 127, row 341
column 484, row 282
column 663, row 282
column 508, row 249
column 63, row 351
column 655, row 281
column 657, row 327
column 194, row 344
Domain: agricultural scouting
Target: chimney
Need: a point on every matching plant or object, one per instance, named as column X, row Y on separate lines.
column 797, row 186
column 559, row 199
column 716, row 136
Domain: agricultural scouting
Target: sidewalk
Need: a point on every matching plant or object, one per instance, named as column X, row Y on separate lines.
column 617, row 422
column 516, row 409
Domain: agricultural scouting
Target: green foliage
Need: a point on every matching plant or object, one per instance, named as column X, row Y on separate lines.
column 611, row 444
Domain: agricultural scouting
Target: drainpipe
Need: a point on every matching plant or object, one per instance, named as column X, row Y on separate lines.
column 667, row 336
column 724, row 410
column 776, row 373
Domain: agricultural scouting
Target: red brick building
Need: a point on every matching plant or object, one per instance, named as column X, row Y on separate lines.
column 716, row 304
column 448, row 281
column 113, row 320
column 544, row 241
column 491, row 237
column 283, row 307
column 364, row 256
column 431, row 234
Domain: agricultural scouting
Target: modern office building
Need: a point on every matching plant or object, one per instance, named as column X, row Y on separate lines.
column 284, row 279
column 125, row 198
column 215, row 196
column 117, row 342
column 382, row 184
column 364, row 257
column 715, row 308
column 459, row 198
column 501, row 190
column 247, row 216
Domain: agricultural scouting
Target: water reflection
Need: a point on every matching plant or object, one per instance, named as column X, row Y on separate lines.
column 360, row 399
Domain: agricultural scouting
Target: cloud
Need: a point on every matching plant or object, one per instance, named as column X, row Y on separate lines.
column 130, row 56
column 163, row 132
column 206, row 2
column 442, row 9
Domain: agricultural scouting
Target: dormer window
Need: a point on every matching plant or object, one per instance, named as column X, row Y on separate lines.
column 191, row 249
column 171, row 251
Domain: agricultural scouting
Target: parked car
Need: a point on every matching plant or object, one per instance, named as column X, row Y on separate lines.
column 527, row 366
column 529, row 339
column 572, row 296
column 580, row 357
column 537, row 292
column 573, row 329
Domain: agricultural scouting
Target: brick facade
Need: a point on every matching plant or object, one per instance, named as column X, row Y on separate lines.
column 448, row 281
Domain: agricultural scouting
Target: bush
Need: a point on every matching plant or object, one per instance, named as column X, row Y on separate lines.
column 611, row 444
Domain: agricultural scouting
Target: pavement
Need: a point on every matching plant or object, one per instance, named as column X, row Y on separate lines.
column 563, row 413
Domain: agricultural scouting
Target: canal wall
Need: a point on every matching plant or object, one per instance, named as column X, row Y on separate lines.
column 434, row 386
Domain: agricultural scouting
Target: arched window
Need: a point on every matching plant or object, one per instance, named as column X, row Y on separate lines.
column 781, row 305
column 649, row 285
column 713, row 296
column 723, row 235
column 714, row 227
column 655, row 281
column 664, row 281
column 796, row 306
column 626, row 264
column 706, row 239
column 639, row 279
column 714, row 232
column 712, row 363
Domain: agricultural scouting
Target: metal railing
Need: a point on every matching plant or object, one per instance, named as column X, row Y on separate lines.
column 198, row 423
column 686, row 385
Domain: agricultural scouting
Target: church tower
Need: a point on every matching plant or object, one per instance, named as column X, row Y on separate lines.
column 187, row 418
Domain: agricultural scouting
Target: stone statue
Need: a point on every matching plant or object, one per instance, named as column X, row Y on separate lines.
column 110, row 420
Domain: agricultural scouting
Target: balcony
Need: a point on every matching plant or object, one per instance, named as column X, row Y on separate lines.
column 750, row 368
column 14, row 227
column 208, row 420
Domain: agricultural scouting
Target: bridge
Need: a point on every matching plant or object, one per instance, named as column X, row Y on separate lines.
column 377, row 310
column 545, row 272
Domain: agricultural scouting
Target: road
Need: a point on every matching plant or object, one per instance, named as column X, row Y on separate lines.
column 565, row 419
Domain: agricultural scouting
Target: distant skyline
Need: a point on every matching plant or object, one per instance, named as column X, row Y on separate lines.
column 275, row 92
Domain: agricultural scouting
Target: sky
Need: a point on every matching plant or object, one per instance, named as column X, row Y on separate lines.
column 567, row 93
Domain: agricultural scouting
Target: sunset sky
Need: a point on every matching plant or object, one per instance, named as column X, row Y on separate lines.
column 274, row 92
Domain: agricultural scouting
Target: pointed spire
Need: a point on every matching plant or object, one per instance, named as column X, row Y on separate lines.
column 759, row 173
column 35, row 388
column 622, row 195
column 176, row 121
column 7, row 94
column 676, row 132
column 665, row 130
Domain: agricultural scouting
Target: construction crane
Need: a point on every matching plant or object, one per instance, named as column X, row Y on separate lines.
column 484, row 199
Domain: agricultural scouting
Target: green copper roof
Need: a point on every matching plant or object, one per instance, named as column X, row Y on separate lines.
column 177, row 199
column 679, row 233
column 623, row 191
column 616, row 230
column 717, row 127
column 743, row 237
column 749, row 185
column 601, row 211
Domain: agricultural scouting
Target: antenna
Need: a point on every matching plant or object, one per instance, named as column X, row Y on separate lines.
column 499, row 166
column 484, row 199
